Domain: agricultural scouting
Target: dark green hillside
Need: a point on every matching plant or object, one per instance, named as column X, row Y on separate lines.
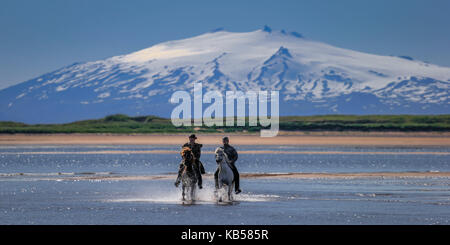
column 123, row 124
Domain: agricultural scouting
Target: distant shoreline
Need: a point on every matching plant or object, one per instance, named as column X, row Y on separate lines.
column 284, row 138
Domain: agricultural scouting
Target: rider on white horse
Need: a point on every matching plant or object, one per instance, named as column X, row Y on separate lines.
column 232, row 157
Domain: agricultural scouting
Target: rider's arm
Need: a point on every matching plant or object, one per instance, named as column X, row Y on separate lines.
column 232, row 155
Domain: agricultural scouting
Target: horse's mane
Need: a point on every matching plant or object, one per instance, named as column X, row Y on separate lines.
column 185, row 150
column 220, row 149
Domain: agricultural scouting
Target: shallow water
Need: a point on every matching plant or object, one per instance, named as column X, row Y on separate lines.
column 35, row 188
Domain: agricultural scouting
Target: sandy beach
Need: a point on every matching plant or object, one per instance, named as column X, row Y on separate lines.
column 284, row 138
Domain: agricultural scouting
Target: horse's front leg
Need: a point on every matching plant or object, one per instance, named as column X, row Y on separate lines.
column 183, row 193
column 193, row 192
column 230, row 190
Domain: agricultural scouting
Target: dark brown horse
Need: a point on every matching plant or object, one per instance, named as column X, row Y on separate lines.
column 188, row 176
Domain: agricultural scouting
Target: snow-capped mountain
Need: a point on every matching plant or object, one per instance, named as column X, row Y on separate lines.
column 312, row 77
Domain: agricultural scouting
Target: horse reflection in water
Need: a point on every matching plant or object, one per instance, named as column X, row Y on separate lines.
column 188, row 176
column 225, row 177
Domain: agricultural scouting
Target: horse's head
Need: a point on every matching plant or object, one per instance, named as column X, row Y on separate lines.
column 220, row 155
column 187, row 155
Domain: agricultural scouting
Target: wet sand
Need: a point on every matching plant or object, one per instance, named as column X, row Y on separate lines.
column 112, row 177
column 284, row 138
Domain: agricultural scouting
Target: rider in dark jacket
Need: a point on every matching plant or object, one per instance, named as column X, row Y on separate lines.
column 232, row 157
column 196, row 151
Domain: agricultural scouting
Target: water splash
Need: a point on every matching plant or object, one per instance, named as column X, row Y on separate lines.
column 204, row 196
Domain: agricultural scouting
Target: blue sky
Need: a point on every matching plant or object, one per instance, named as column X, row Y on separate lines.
column 39, row 36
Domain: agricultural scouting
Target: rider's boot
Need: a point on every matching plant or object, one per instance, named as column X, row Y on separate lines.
column 236, row 186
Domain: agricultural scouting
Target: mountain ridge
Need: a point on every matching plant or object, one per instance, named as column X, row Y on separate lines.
column 312, row 77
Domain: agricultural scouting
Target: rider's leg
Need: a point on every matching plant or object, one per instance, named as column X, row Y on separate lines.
column 199, row 175
column 236, row 178
column 202, row 169
column 200, row 181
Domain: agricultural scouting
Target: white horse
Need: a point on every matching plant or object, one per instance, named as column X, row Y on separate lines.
column 226, row 176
